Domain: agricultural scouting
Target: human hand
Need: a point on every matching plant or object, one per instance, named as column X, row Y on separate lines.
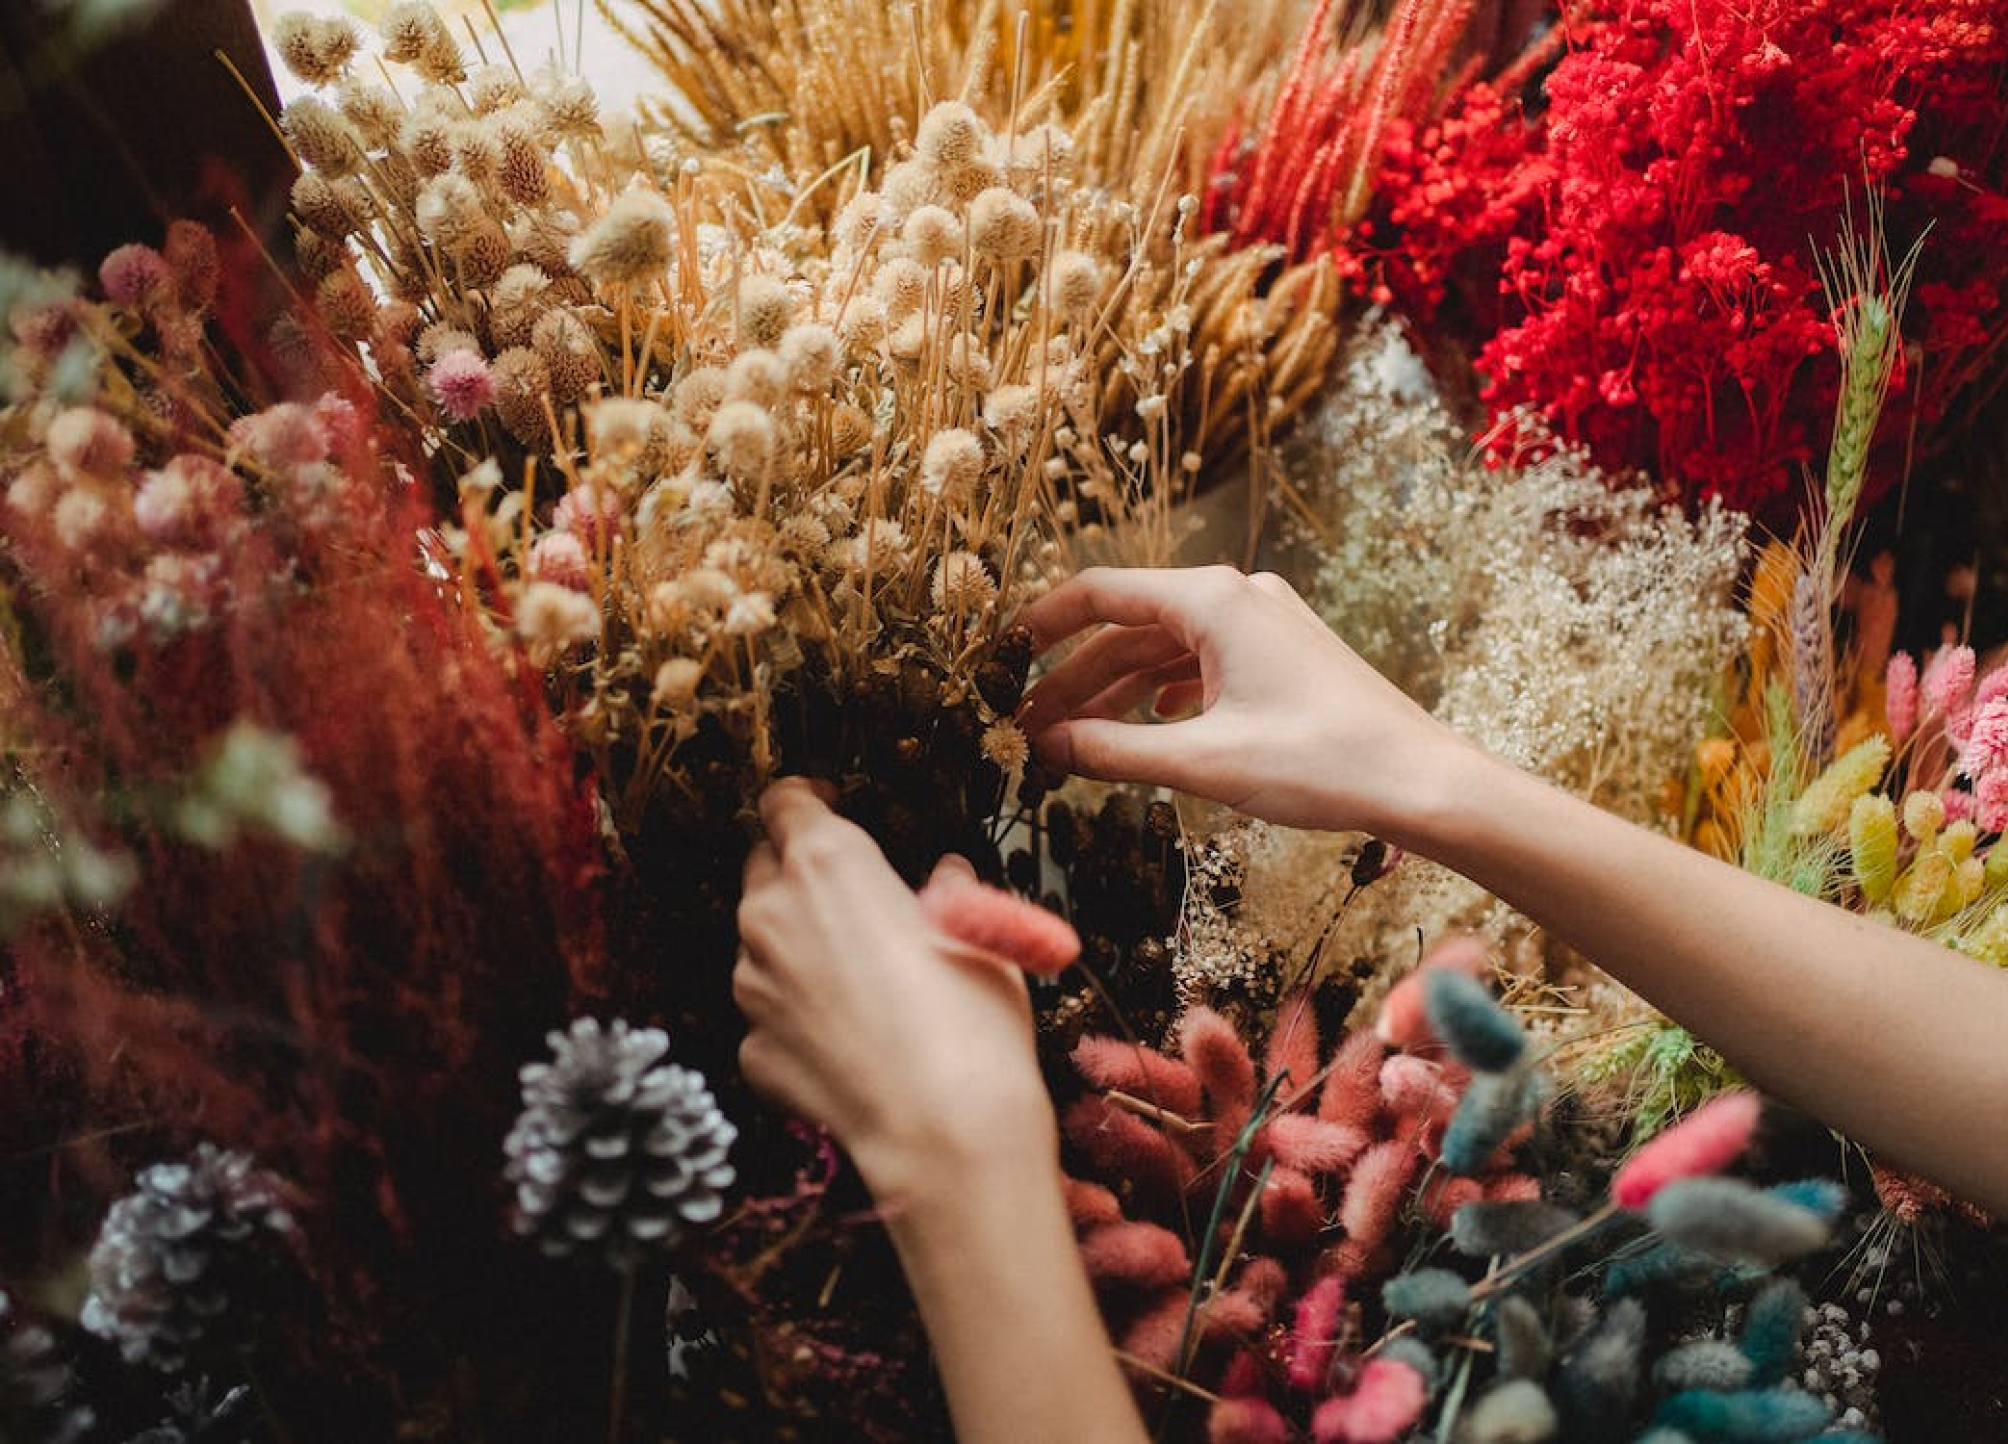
column 1292, row 725
column 913, row 1049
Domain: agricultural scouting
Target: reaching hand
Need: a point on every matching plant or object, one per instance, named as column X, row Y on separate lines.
column 908, row 1046
column 1291, row 725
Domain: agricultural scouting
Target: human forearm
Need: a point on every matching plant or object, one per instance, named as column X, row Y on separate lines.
column 989, row 1253
column 1900, row 1043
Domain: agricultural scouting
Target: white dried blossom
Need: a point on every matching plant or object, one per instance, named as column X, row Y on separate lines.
column 633, row 242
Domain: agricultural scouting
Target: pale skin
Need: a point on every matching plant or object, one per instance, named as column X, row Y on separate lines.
column 919, row 1056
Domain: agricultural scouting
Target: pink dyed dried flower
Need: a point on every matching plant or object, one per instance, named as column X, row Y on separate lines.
column 1142, row 1072
column 994, row 921
column 1141, row 1255
column 1986, row 740
column 1900, row 696
column 462, row 382
column 1315, row 1339
column 1220, row 1058
column 560, row 557
column 1373, row 1191
column 136, row 277
column 1703, row 1142
column 1990, row 801
column 1387, row 1398
column 1948, row 682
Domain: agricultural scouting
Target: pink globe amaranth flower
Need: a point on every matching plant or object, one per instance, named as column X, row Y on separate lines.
column 135, row 276
column 1703, row 1142
column 560, row 557
column 1958, row 803
column 462, row 382
column 589, row 512
column 1900, row 695
column 1388, row 1397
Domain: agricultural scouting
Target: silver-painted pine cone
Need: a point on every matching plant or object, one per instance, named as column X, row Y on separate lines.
column 616, row 1151
column 179, row 1261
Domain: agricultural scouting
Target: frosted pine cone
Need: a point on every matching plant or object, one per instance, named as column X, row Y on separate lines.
column 34, row 1385
column 178, row 1255
column 615, row 1149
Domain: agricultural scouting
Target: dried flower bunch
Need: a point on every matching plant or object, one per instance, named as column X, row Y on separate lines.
column 1133, row 95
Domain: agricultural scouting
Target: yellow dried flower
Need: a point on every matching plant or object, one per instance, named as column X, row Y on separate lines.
column 1923, row 815
column 1996, row 866
column 1872, row 845
column 316, row 48
column 1972, row 876
column 633, row 242
column 765, row 309
column 1989, row 941
column 1928, row 893
column 1824, row 806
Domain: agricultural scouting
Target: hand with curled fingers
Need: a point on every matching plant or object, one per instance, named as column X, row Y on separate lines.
column 865, row 1017
column 1290, row 724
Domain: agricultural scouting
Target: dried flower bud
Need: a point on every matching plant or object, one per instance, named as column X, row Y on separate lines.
column 861, row 220
column 315, row 48
column 522, row 394
column 347, row 304
column 441, row 337
column 414, row 35
column 551, row 619
column 757, row 376
column 1003, row 225
column 322, row 136
column 569, row 105
column 1923, row 815
column 1076, row 283
column 698, row 397
column 934, row 235
column 373, row 111
column 953, row 464
column 851, row 429
column 1822, row 810
column 191, row 254
column 493, row 88
column 333, row 208
column 765, row 308
column 812, row 356
column 968, row 364
column 521, row 164
column 136, row 277
column 741, row 437
column 632, row 243
column 426, row 138
column 450, row 210
column 862, row 325
column 950, row 135
column 560, row 557
column 901, row 284
column 962, row 585
column 965, row 183
column 86, row 442
column 570, row 351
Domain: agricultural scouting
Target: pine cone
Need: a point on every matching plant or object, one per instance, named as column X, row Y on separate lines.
column 615, row 1149
column 175, row 1257
column 34, row 1385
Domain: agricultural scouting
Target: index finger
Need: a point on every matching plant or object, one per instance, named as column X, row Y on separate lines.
column 1175, row 598
column 791, row 807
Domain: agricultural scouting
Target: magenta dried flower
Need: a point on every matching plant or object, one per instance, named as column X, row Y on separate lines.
column 462, row 382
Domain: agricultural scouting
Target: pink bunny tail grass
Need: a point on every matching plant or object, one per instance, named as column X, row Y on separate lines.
column 1512, row 1188
column 1124, row 1146
column 1291, row 1210
column 1137, row 1070
column 1416, row 1088
column 1246, row 1421
column 1155, row 1335
column 1445, row 1195
column 1315, row 1339
column 1352, row 1093
column 1313, row 1145
column 1703, row 1142
column 1220, row 1058
column 1402, row 1023
column 1243, row 1311
column 1900, row 696
column 1089, row 1205
column 1387, row 1400
column 981, row 916
column 1135, row 1255
column 1373, row 1192
column 1293, row 1045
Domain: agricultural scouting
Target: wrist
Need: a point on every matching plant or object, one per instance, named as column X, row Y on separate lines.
column 1434, row 795
column 937, row 1157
